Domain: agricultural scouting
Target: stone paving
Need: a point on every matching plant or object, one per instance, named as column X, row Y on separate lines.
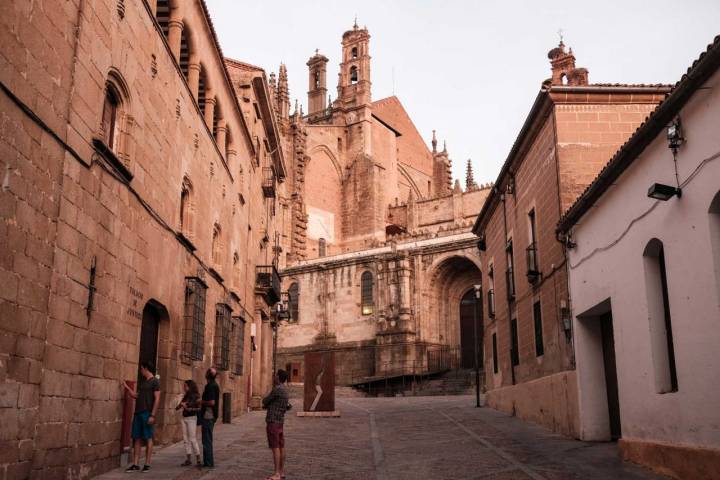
column 403, row 438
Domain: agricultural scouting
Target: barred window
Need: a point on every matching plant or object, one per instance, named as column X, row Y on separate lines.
column 221, row 352
column 366, row 293
column 194, row 319
column 294, row 302
column 239, row 336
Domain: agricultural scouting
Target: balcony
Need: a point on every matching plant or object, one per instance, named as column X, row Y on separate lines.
column 510, row 282
column 267, row 282
column 268, row 182
column 533, row 269
column 491, row 303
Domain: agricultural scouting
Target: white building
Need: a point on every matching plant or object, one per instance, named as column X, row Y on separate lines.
column 644, row 277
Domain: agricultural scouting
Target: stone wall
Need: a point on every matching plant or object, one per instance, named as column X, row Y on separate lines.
column 91, row 239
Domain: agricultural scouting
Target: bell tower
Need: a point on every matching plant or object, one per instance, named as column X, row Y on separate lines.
column 317, row 90
column 354, row 77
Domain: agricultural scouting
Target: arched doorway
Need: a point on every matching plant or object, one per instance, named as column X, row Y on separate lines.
column 153, row 313
column 451, row 301
column 467, row 330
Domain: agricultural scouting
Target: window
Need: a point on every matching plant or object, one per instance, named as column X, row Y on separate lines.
column 294, row 302
column 354, row 52
column 491, row 292
column 533, row 268
column 194, row 319
column 109, row 116
column 714, row 218
column 537, row 318
column 353, row 74
column 317, row 80
column 494, row 353
column 366, row 293
column 321, row 247
column 202, row 89
column 509, row 276
column 186, row 208
column 221, row 348
column 163, row 15
column 663, row 350
column 257, row 111
column 184, row 53
column 216, row 245
column 239, row 336
column 515, row 348
column 236, row 268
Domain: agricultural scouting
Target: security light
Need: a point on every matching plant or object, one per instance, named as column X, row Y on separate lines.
column 674, row 135
column 663, row 192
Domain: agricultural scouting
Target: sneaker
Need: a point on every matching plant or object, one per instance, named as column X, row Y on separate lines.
column 132, row 468
column 146, row 468
column 186, row 463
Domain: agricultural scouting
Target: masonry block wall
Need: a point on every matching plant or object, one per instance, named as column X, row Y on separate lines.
column 87, row 250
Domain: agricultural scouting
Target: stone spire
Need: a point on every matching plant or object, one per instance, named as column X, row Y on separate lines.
column 469, row 180
column 282, row 95
column 457, row 188
column 434, row 143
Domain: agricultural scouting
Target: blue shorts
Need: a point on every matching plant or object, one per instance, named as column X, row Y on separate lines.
column 140, row 426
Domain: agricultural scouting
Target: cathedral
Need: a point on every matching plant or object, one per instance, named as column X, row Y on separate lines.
column 377, row 247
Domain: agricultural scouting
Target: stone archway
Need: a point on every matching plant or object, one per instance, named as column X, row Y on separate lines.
column 452, row 282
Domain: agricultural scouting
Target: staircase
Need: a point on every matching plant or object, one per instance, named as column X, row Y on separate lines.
column 458, row 382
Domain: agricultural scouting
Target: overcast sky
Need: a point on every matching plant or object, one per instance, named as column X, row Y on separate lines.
column 470, row 69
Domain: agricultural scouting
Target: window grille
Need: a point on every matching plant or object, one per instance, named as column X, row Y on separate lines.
column 194, row 319
column 239, row 335
column 222, row 337
column 366, row 293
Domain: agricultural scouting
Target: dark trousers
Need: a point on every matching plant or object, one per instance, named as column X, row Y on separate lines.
column 207, row 442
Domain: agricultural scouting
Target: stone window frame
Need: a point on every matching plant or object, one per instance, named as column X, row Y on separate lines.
column 120, row 141
column 187, row 209
column 216, row 246
column 221, row 343
column 193, row 347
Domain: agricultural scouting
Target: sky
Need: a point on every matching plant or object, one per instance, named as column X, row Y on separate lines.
column 470, row 69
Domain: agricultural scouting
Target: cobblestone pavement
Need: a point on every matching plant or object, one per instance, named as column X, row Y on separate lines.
column 403, row 438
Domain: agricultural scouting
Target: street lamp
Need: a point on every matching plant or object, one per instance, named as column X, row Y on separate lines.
column 280, row 313
column 478, row 296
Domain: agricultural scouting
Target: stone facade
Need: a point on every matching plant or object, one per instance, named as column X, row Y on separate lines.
column 371, row 201
column 133, row 187
column 570, row 133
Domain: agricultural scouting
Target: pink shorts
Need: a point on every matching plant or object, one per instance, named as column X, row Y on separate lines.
column 275, row 436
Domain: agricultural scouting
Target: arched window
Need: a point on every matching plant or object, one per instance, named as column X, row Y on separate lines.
column 715, row 238
column 110, row 116
column 216, row 118
column 366, row 293
column 321, row 247
column 317, row 80
column 186, row 208
column 216, row 245
column 294, row 302
column 116, row 123
column 354, row 52
column 353, row 74
column 661, row 337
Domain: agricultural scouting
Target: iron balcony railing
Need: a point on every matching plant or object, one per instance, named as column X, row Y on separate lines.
column 267, row 280
column 533, row 270
column 510, row 281
column 268, row 182
column 491, row 302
